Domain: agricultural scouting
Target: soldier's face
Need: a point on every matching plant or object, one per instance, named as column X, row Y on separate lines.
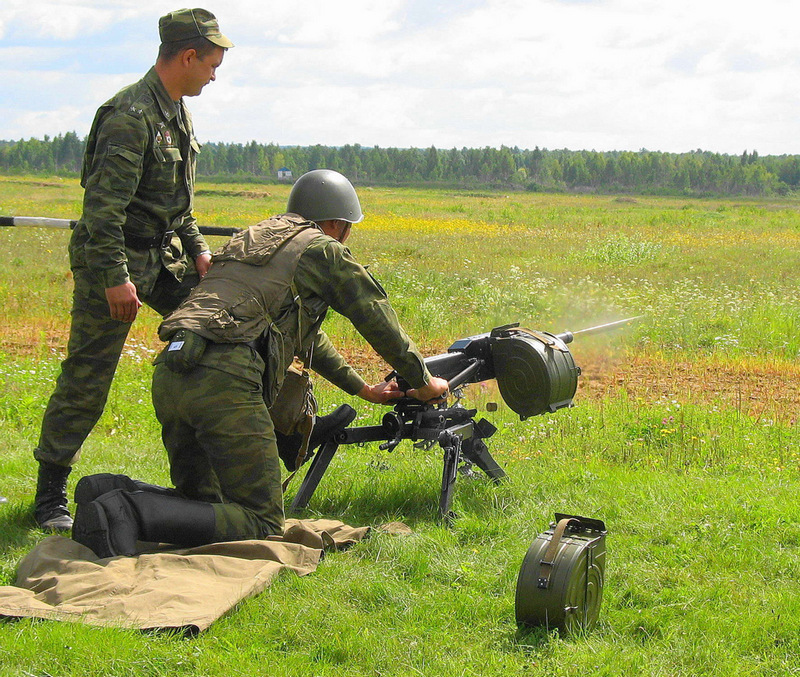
column 203, row 70
column 336, row 228
column 344, row 230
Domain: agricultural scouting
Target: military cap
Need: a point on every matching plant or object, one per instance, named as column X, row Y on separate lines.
column 185, row 24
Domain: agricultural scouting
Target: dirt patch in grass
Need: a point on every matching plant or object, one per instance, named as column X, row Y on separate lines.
column 757, row 388
column 248, row 194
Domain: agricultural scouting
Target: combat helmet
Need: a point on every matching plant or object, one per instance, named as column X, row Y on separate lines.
column 324, row 195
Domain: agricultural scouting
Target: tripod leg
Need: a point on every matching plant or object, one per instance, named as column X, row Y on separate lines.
column 451, row 445
column 319, row 465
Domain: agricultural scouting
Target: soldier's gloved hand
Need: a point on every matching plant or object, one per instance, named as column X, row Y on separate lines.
column 184, row 351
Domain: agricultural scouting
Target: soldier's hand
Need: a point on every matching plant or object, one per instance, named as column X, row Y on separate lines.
column 123, row 302
column 434, row 391
column 202, row 263
column 381, row 393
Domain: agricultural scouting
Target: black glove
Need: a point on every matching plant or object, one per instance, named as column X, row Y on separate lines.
column 184, row 351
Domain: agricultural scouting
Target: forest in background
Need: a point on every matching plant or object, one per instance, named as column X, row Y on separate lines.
column 695, row 173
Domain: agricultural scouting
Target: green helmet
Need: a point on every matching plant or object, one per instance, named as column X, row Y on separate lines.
column 324, row 195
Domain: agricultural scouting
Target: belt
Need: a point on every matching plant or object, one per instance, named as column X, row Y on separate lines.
column 159, row 241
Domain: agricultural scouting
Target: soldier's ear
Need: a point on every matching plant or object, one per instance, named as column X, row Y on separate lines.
column 187, row 55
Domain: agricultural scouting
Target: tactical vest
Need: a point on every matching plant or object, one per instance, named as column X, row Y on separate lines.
column 249, row 295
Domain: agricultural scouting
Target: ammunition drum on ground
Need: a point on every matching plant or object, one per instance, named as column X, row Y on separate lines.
column 560, row 584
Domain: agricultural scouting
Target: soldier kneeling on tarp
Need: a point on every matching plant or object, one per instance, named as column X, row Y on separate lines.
column 229, row 347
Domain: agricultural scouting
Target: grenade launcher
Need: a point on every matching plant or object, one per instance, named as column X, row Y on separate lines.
column 535, row 374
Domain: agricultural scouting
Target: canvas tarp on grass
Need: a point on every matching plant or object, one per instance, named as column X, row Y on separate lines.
column 188, row 588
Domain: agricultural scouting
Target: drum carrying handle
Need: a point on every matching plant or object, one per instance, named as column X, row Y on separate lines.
column 547, row 339
column 546, row 564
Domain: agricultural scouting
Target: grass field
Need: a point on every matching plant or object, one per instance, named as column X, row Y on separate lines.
column 684, row 441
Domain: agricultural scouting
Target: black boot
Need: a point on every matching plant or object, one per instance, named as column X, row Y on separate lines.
column 289, row 448
column 111, row 524
column 50, row 507
column 326, row 427
column 91, row 487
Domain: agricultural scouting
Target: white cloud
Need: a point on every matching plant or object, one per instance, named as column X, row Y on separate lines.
column 604, row 74
column 65, row 21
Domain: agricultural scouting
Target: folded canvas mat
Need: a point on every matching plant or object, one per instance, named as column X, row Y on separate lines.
column 187, row 589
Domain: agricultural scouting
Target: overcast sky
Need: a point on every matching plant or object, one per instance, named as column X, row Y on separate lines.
column 670, row 75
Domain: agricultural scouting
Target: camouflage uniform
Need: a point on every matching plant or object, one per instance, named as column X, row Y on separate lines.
column 274, row 281
column 137, row 225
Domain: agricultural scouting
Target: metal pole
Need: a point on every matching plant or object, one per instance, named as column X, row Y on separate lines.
column 45, row 222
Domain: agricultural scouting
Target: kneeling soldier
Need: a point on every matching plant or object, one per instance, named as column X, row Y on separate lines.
column 261, row 303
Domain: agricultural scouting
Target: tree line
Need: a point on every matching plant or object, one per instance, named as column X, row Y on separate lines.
column 693, row 173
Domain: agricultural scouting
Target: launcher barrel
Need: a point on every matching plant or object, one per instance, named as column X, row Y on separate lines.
column 568, row 336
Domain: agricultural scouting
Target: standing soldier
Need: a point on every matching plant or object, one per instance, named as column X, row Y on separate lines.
column 136, row 241
column 230, row 344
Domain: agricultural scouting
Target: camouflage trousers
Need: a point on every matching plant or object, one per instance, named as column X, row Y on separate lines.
column 221, row 446
column 95, row 345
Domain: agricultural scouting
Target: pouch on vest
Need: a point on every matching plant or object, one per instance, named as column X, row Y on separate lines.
column 295, row 406
column 184, row 351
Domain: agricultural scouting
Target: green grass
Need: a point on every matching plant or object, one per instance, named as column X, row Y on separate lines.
column 695, row 474
column 702, row 577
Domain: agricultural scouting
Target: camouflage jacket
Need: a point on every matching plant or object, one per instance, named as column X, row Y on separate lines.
column 274, row 283
column 138, row 175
